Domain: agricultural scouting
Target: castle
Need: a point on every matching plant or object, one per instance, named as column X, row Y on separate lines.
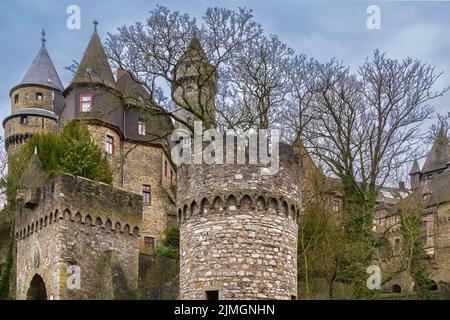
column 238, row 230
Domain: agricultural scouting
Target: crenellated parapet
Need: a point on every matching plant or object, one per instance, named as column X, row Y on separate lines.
column 239, row 201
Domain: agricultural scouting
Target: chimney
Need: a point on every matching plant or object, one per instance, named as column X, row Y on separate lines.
column 120, row 73
column 401, row 185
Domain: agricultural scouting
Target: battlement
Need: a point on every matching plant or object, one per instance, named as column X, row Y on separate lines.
column 195, row 181
column 81, row 201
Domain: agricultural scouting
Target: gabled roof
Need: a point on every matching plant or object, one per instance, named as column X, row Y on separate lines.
column 415, row 168
column 94, row 66
column 42, row 72
column 439, row 155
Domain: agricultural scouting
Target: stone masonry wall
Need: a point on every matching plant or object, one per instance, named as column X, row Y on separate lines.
column 239, row 230
column 77, row 222
column 27, row 98
column 144, row 165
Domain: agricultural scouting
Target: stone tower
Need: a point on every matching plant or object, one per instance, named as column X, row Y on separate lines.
column 196, row 85
column 34, row 101
column 239, row 230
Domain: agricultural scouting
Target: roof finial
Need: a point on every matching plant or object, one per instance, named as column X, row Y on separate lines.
column 95, row 26
column 43, row 37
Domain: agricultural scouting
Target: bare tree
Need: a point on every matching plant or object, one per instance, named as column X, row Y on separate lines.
column 153, row 52
column 368, row 124
column 258, row 84
column 443, row 124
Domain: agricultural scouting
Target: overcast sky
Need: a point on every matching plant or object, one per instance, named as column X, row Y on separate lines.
column 320, row 29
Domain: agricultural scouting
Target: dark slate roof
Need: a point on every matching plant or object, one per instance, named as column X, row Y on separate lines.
column 43, row 72
column 438, row 187
column 32, row 112
column 94, row 66
column 415, row 168
column 158, row 125
column 439, row 155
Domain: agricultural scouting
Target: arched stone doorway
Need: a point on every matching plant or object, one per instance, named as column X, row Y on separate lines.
column 37, row 290
column 396, row 288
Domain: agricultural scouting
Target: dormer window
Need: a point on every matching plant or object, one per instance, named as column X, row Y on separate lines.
column 142, row 128
column 49, row 80
column 39, row 96
column 86, row 102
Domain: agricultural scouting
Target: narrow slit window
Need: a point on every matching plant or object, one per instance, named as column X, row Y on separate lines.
column 110, row 145
column 147, row 195
column 23, row 120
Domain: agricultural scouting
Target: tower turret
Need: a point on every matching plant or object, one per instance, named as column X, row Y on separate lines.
column 415, row 175
column 195, row 85
column 34, row 101
column 239, row 230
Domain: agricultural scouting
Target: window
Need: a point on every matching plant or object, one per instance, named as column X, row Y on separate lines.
column 212, row 295
column 165, row 168
column 110, row 145
column 16, row 99
column 336, row 206
column 147, row 195
column 424, row 233
column 149, row 242
column 397, row 244
column 142, row 130
column 23, row 120
column 86, row 102
column 39, row 96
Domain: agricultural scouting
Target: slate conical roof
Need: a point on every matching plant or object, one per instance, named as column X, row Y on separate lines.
column 439, row 155
column 43, row 72
column 94, row 66
column 415, row 168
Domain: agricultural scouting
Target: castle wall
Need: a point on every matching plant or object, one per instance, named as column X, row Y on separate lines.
column 77, row 222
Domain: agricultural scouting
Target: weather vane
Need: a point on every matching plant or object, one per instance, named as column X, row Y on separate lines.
column 43, row 37
column 95, row 25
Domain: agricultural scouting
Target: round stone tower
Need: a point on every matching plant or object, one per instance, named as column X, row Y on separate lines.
column 34, row 101
column 239, row 230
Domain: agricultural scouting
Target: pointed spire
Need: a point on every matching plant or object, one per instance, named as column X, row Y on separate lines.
column 415, row 168
column 42, row 71
column 94, row 66
column 95, row 26
column 195, row 49
column 439, row 156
